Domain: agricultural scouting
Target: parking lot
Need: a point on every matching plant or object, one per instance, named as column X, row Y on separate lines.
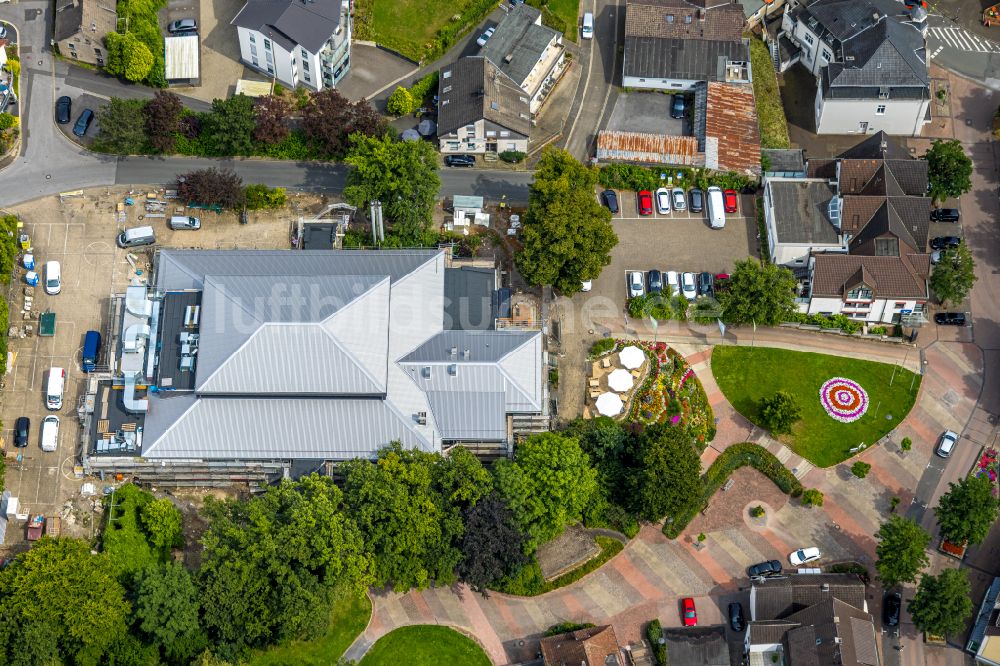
column 648, row 112
column 80, row 234
column 681, row 241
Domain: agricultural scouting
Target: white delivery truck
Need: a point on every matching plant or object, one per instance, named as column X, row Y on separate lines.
column 716, row 208
column 54, row 389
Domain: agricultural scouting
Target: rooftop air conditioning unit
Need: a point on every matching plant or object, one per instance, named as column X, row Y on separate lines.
column 421, row 418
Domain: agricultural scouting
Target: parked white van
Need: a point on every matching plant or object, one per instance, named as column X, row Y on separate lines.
column 53, row 278
column 587, row 31
column 137, row 236
column 50, row 433
column 716, row 208
column 54, row 389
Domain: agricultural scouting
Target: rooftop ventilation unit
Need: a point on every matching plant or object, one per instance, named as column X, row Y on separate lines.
column 421, row 418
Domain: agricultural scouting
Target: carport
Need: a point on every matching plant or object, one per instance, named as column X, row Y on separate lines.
column 183, row 64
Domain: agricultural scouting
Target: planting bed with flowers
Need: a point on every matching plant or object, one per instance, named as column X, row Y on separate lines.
column 671, row 393
column 988, row 465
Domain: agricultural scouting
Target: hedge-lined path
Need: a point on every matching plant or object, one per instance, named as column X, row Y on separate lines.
column 652, row 573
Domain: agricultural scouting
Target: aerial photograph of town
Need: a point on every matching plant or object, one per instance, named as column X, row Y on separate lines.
column 499, row 332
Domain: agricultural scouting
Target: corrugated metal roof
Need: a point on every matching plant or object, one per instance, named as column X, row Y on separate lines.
column 649, row 148
column 731, row 118
column 469, row 346
column 181, row 57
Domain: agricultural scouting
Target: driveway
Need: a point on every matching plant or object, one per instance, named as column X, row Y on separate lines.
column 647, row 112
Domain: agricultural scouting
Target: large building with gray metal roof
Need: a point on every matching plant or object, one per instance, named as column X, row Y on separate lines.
column 279, row 362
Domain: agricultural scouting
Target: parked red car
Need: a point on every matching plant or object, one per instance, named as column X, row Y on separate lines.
column 645, row 203
column 690, row 615
column 729, row 201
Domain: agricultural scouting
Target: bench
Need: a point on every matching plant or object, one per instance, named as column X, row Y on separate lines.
column 727, row 485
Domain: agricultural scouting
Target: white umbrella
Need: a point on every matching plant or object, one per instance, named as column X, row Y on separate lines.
column 410, row 135
column 620, row 380
column 631, row 357
column 609, row 404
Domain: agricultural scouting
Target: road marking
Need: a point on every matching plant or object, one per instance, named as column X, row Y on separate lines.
column 962, row 40
column 586, row 83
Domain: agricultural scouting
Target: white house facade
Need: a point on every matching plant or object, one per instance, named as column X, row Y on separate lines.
column 297, row 42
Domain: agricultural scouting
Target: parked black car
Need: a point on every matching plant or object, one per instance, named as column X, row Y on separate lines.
column 460, row 160
column 943, row 242
column 610, row 199
column 706, row 284
column 771, row 568
column 950, row 318
column 890, row 609
column 945, row 215
column 22, row 426
column 697, row 200
column 654, row 282
column 63, row 106
column 678, row 106
column 736, row 616
column 83, row 123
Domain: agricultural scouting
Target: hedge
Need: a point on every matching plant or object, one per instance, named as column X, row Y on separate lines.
column 566, row 627
column 601, row 347
column 843, row 322
column 730, row 460
column 654, row 632
column 632, row 177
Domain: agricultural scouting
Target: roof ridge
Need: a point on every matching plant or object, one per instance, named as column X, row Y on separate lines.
column 354, row 361
column 177, row 421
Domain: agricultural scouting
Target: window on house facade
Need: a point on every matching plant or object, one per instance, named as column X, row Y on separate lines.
column 859, row 294
column 827, row 55
column 899, row 304
column 253, row 50
column 504, row 134
column 270, row 70
column 809, row 39
column 305, row 65
column 306, row 76
column 270, row 58
column 470, row 129
column 255, row 63
column 880, row 110
column 687, row 19
column 305, row 54
column 267, row 44
column 511, row 146
column 886, row 247
column 490, row 134
column 670, row 18
column 454, row 145
column 883, row 92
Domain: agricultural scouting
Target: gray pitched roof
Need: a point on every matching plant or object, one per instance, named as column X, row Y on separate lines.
column 675, row 58
column 785, row 159
column 473, row 89
column 801, row 211
column 469, row 297
column 777, row 598
column 519, row 42
column 302, row 355
column 307, row 23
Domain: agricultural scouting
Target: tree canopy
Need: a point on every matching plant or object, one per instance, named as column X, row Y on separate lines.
column 123, row 126
column 402, row 175
column 567, row 235
column 60, row 603
column 270, row 563
column 330, row 118
column 954, row 275
column 211, row 186
column 758, row 293
column 968, row 510
column 779, row 412
column 128, row 57
column 162, row 114
column 166, row 610
column 942, row 603
column 900, row 550
column 271, row 115
column 493, row 544
column 231, row 125
column 949, row 169
column 547, row 485
column 667, row 478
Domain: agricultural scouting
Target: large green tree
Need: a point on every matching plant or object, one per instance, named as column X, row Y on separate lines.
column 161, row 521
column 779, row 412
column 402, row 175
column 954, row 275
column 547, row 485
column 567, row 235
column 949, row 169
column 668, row 476
column 123, row 127
column 60, row 603
column 968, row 510
column 128, row 57
column 758, row 293
column 162, row 114
column 166, row 610
column 492, row 545
column 231, row 125
column 901, row 550
column 330, row 119
column 408, row 505
column 943, row 603
column 270, row 564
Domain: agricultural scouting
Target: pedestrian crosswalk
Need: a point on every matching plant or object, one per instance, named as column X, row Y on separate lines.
column 960, row 39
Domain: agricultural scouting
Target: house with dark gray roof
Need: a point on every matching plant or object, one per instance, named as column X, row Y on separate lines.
column 298, row 42
column 855, row 231
column 810, row 619
column 481, row 109
column 676, row 44
column 870, row 62
column 80, row 28
column 277, row 362
column 530, row 54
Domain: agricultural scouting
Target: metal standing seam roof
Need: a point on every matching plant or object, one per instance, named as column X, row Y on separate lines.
column 519, row 42
column 181, row 57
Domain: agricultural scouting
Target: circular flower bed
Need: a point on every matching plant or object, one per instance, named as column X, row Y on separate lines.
column 843, row 399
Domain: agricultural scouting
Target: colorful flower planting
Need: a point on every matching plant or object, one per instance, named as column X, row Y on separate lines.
column 671, row 393
column 843, row 399
column 988, row 465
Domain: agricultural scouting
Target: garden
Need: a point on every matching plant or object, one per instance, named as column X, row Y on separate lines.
column 425, row 644
column 843, row 402
column 420, row 30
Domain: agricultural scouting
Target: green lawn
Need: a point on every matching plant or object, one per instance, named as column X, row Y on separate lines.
column 348, row 619
column 410, row 26
column 745, row 375
column 425, row 645
column 560, row 15
column 767, row 97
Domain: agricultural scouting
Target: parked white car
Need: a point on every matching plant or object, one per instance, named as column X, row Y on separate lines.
column 688, row 287
column 947, row 443
column 635, row 284
column 586, row 285
column 485, row 37
column 663, row 201
column 53, row 278
column 672, row 279
column 804, row 556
